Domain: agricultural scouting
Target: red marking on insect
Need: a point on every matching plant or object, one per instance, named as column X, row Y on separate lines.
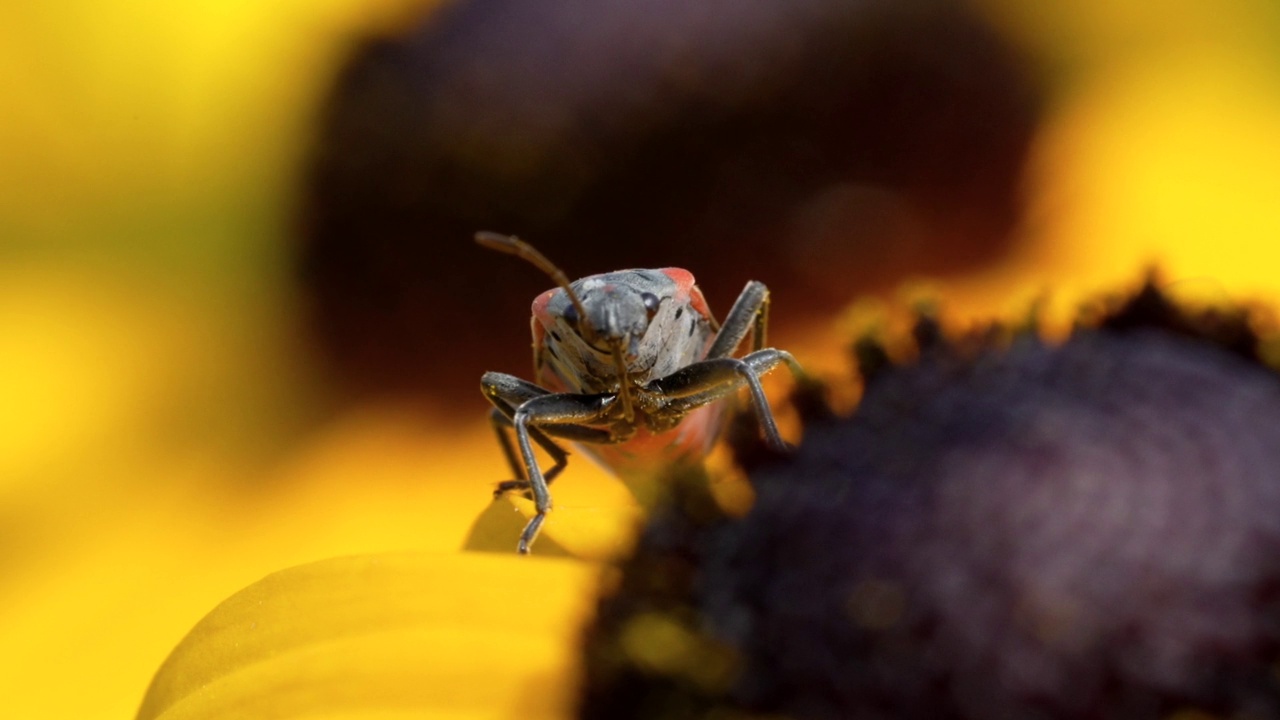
column 630, row 366
column 689, row 291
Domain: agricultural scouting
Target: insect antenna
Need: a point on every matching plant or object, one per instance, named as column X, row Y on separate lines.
column 513, row 245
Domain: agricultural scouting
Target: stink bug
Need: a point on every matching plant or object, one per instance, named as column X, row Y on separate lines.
column 628, row 366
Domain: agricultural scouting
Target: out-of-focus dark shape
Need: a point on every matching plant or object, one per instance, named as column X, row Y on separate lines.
column 821, row 146
column 1021, row 531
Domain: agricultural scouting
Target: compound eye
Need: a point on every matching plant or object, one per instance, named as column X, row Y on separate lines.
column 570, row 316
column 651, row 302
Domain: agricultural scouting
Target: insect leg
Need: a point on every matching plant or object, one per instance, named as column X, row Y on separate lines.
column 508, row 392
column 709, row 380
column 750, row 313
column 542, row 435
column 501, row 427
column 561, row 409
column 500, row 424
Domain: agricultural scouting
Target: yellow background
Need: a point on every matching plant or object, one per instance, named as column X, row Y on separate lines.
column 163, row 440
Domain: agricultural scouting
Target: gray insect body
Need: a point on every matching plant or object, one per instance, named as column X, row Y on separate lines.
column 627, row 364
column 646, row 310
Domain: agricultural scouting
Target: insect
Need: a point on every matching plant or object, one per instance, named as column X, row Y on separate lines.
column 629, row 366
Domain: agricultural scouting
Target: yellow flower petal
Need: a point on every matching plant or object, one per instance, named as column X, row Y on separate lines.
column 386, row 636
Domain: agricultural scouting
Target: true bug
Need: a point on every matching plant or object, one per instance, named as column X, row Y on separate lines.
column 628, row 365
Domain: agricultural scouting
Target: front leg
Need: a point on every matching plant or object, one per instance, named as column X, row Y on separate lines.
column 560, row 410
column 750, row 313
column 508, row 392
column 704, row 382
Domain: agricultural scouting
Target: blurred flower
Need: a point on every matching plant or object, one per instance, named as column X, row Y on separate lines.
column 1003, row 528
column 166, row 436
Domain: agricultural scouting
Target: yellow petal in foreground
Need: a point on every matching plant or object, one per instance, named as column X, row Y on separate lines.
column 465, row 635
